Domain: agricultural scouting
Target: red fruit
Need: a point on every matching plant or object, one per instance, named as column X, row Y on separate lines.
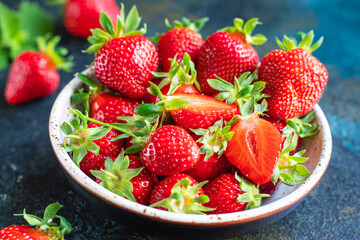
column 22, row 232
column 163, row 189
column 227, row 54
column 269, row 187
column 143, row 183
column 33, row 74
column 176, row 42
column 92, row 162
column 254, row 149
column 295, row 79
column 126, row 64
column 201, row 112
column 210, row 168
column 225, row 194
column 170, row 150
column 83, row 15
column 106, row 107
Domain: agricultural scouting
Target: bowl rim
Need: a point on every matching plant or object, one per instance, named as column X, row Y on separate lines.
column 184, row 219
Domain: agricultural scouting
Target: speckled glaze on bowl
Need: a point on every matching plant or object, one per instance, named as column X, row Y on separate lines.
column 179, row 226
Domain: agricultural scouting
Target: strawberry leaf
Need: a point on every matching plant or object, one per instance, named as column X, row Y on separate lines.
column 148, row 110
column 133, row 20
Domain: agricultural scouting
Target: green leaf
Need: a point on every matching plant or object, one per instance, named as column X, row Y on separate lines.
column 4, row 58
column 85, row 79
column 92, row 147
column 66, row 128
column 98, row 174
column 34, row 21
column 175, row 103
column 78, row 155
column 50, row 212
column 98, row 132
column 31, row 219
column 132, row 21
column 132, row 150
column 148, row 110
column 106, row 23
column 65, row 226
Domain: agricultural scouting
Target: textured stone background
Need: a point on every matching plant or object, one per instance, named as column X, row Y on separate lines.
column 31, row 178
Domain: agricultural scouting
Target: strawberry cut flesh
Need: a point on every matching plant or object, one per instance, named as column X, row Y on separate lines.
column 254, row 149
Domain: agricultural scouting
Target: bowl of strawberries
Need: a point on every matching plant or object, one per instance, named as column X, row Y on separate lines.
column 217, row 144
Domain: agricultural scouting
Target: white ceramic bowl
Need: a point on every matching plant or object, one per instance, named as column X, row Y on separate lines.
column 153, row 220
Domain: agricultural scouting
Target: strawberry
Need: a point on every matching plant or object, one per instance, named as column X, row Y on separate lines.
column 231, row 193
column 127, row 177
column 180, row 39
column 170, row 150
column 124, row 59
column 212, row 143
column 46, row 228
column 228, row 53
column 179, row 193
column 80, row 16
column 260, row 148
column 103, row 106
column 33, row 74
column 210, row 168
column 91, row 143
column 295, row 79
column 201, row 112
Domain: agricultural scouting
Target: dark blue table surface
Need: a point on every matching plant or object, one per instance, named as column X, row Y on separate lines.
column 31, row 177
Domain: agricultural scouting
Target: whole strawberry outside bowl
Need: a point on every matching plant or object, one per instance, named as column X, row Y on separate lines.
column 153, row 221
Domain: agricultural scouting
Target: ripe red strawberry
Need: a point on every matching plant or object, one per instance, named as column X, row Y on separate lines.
column 260, row 148
column 170, row 150
column 107, row 107
column 165, row 195
column 33, row 74
column 210, row 168
column 228, row 53
column 127, row 177
column 124, row 59
column 46, row 229
column 231, row 193
column 83, row 15
column 295, row 79
column 183, row 38
column 90, row 144
column 201, row 112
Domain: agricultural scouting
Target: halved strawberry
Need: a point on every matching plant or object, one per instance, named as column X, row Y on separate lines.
column 254, row 148
column 201, row 112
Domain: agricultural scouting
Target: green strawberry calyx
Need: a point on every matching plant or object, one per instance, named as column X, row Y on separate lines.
column 304, row 127
column 183, row 199
column 161, row 108
column 47, row 45
column 306, row 42
column 245, row 29
column 125, row 26
column 181, row 72
column 245, row 92
column 79, row 138
column 214, row 139
column 196, row 25
column 251, row 194
column 289, row 169
column 47, row 225
column 117, row 175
